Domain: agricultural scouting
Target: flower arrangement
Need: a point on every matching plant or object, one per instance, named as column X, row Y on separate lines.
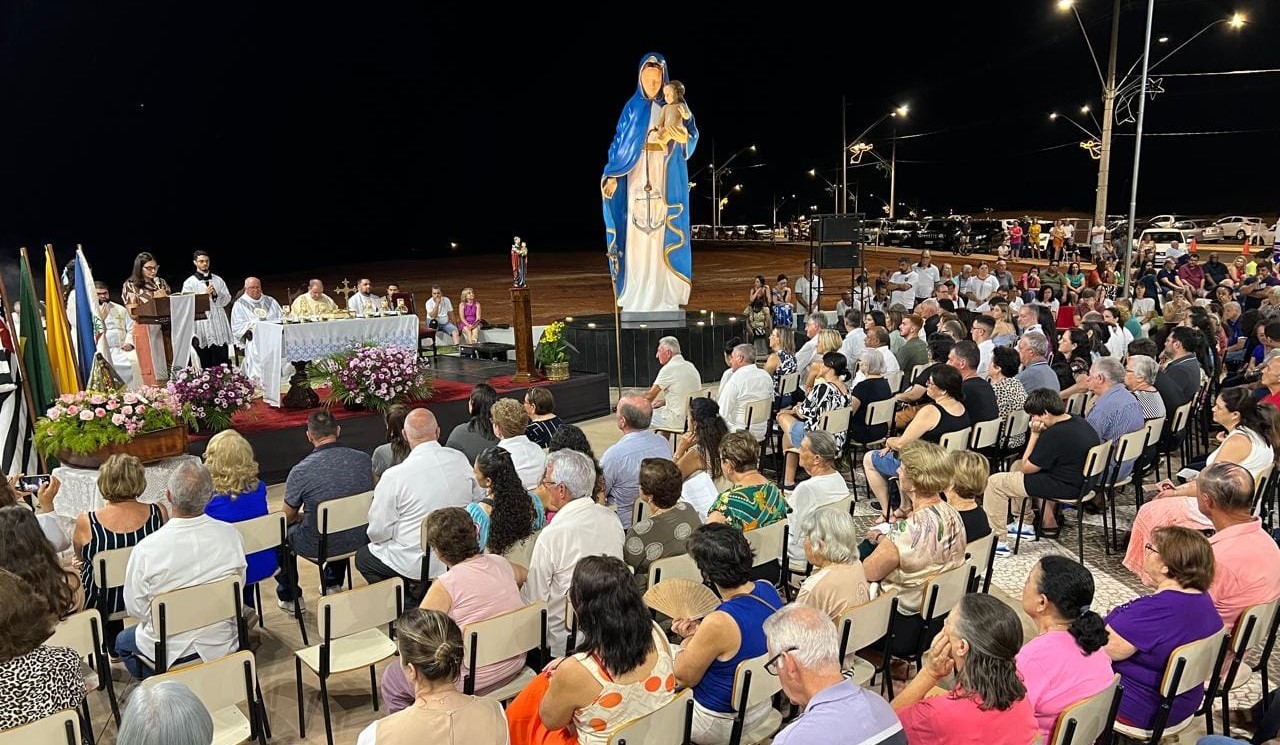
column 211, row 396
column 372, row 376
column 87, row 421
column 552, row 348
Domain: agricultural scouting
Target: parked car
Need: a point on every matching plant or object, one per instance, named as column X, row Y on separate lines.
column 942, row 234
column 900, row 232
column 702, row 232
column 872, row 228
column 1238, row 227
column 1163, row 237
column 1201, row 230
column 760, row 233
column 986, row 235
column 1165, row 221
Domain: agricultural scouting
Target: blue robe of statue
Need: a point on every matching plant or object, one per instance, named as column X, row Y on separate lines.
column 647, row 229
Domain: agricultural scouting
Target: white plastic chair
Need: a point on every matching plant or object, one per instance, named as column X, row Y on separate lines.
column 55, row 729
column 264, row 533
column 674, row 567
column 861, row 627
column 667, row 725
column 753, row 686
column 1089, row 719
column 333, row 517
column 1189, row 666
column 500, row 638
column 223, row 685
column 83, row 633
column 192, row 608
column 351, row 629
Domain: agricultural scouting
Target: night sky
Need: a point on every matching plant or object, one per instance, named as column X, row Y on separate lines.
column 278, row 133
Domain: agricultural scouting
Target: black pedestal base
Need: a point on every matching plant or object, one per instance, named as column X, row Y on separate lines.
column 702, row 337
column 300, row 395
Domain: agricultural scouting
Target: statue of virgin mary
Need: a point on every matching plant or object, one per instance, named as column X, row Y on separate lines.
column 645, row 190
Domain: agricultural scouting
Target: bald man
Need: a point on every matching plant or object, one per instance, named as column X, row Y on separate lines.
column 249, row 309
column 429, row 478
column 313, row 301
column 621, row 462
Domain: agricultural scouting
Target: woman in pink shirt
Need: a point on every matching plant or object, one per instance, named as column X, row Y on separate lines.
column 476, row 587
column 1065, row 662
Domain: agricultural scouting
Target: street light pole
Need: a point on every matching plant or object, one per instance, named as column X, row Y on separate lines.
column 844, row 154
column 1137, row 146
column 893, row 170
column 1108, row 116
column 715, row 198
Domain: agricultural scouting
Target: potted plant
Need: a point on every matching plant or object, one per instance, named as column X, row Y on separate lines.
column 211, row 396
column 370, row 376
column 83, row 429
column 553, row 352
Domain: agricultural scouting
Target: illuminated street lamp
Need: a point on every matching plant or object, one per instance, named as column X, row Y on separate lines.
column 716, row 173
column 854, row 152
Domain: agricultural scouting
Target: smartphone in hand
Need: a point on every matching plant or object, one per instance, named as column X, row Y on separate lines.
column 33, row 484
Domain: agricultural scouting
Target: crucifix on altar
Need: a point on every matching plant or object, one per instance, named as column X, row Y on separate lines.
column 345, row 290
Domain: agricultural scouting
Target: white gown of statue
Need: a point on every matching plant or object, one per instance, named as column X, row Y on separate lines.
column 651, row 285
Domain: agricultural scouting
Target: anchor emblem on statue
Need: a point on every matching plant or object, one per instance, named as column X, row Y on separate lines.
column 650, row 209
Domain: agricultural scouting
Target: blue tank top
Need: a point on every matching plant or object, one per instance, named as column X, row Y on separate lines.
column 715, row 689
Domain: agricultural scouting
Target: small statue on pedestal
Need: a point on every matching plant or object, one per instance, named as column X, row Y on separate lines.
column 519, row 261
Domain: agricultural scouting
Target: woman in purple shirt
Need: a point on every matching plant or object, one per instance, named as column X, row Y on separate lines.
column 1145, row 631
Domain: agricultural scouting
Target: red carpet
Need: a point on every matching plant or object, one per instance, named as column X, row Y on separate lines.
column 264, row 418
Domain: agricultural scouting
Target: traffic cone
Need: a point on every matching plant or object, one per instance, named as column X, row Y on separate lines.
column 1245, row 251
column 1192, row 248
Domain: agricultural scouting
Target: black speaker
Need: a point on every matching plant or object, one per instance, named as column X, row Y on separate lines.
column 840, row 256
column 837, row 228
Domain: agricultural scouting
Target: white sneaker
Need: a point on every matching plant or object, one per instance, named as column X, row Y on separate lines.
column 287, row 605
column 330, row 590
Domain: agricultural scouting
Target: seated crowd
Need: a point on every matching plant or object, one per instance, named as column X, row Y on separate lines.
column 514, row 508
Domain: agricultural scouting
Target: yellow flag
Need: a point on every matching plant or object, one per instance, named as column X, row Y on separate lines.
column 57, row 329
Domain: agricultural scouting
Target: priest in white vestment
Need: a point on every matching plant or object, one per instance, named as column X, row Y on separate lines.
column 213, row 332
column 113, row 330
column 252, row 307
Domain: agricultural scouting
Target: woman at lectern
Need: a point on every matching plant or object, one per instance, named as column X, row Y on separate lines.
column 144, row 285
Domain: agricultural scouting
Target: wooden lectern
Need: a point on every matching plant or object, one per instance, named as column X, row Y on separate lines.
column 155, row 312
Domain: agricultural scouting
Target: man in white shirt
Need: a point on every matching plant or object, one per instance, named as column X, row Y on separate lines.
column 249, row 309
column 438, row 312
column 190, row 549
column 902, row 285
column 1029, row 319
column 429, row 478
column 677, row 380
column 878, row 339
column 813, row 325
column 213, row 332
column 748, row 383
column 983, row 334
column 509, row 423
column 981, row 287
column 364, row 301
column 581, row 528
column 855, row 337
column 808, row 293
column 927, row 276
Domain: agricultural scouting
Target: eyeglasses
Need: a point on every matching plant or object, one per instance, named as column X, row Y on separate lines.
column 548, row 483
column 1151, row 547
column 771, row 666
column 151, row 267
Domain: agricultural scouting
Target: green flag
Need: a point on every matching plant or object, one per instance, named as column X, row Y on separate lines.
column 35, row 353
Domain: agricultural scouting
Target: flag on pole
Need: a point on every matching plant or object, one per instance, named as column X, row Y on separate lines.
column 87, row 334
column 57, row 329
column 17, row 452
column 36, row 370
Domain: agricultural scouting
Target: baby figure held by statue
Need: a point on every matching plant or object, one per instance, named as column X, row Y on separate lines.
column 671, row 122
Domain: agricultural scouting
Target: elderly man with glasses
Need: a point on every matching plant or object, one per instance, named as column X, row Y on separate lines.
column 804, row 649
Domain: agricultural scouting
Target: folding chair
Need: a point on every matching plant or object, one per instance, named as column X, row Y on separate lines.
column 770, row 544
column 352, row 638
column 1261, row 488
column 108, row 573
column 522, row 552
column 752, row 687
column 222, row 685
column 638, row 510
column 55, row 729
column 863, row 626
column 1095, row 467
column 1089, row 719
column 895, row 380
column 192, row 608
column 1176, row 439
column 1127, row 448
column 268, row 532
column 986, row 434
column 1255, row 629
column 956, row 441
column 500, row 638
column 878, row 413
column 335, row 516
column 672, row 430
column 982, row 555
column 1018, row 422
column 942, row 593
column 674, row 567
column 1189, row 666
column 83, row 633
column 669, row 724
column 1075, row 404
